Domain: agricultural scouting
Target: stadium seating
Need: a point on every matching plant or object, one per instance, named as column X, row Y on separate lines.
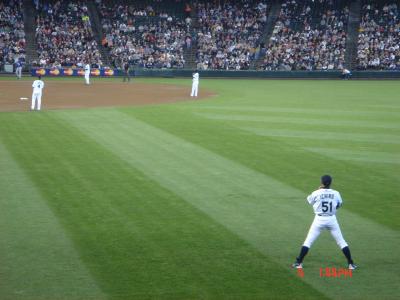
column 144, row 35
column 308, row 35
column 229, row 33
column 219, row 35
column 64, row 35
column 12, row 34
column 379, row 37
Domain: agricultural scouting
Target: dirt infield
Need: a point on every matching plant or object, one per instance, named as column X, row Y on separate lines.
column 70, row 95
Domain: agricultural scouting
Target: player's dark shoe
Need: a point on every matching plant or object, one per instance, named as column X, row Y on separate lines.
column 352, row 266
column 297, row 265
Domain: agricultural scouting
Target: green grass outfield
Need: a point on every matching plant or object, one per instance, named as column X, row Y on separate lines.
column 202, row 199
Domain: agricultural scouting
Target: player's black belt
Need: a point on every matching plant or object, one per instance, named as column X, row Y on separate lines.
column 324, row 215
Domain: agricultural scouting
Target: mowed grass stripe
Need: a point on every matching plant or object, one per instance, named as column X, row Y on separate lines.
column 358, row 156
column 138, row 239
column 287, row 161
column 267, row 213
column 353, row 112
column 38, row 260
column 323, row 123
column 326, row 135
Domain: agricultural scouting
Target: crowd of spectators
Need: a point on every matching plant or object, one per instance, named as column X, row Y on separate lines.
column 64, row 35
column 308, row 35
column 12, row 34
column 229, row 33
column 379, row 37
column 144, row 37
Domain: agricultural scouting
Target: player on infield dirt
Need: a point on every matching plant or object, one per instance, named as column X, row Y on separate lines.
column 38, row 86
column 87, row 73
column 325, row 202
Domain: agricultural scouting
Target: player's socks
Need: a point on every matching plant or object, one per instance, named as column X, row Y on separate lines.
column 346, row 252
column 303, row 253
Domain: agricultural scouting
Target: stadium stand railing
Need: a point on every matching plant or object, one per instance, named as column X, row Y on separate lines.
column 98, row 32
column 189, row 53
column 266, row 35
column 352, row 34
column 29, row 12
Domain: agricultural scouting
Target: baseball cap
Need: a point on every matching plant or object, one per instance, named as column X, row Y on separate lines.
column 326, row 180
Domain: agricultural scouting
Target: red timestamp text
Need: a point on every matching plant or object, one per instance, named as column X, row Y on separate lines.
column 334, row 272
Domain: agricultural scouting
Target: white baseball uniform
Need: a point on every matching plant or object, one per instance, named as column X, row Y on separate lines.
column 195, row 85
column 87, row 73
column 38, row 86
column 325, row 202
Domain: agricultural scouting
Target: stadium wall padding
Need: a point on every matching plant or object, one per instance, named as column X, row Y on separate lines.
column 218, row 74
column 72, row 72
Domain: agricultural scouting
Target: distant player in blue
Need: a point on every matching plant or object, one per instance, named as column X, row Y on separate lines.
column 18, row 69
column 346, row 74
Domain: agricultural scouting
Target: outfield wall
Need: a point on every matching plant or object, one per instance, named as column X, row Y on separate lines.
column 269, row 74
column 219, row 74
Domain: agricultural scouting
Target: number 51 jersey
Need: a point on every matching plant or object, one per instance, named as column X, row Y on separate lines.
column 325, row 201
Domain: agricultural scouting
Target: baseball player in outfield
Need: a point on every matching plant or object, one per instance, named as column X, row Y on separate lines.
column 195, row 84
column 38, row 86
column 325, row 202
column 18, row 69
column 87, row 73
column 126, row 68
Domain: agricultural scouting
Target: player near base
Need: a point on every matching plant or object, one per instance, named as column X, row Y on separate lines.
column 87, row 73
column 195, row 84
column 37, row 86
column 325, row 202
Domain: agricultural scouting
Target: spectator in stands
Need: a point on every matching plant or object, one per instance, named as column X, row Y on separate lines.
column 229, row 33
column 308, row 35
column 36, row 3
column 379, row 37
column 144, row 36
column 188, row 10
column 64, row 35
column 12, row 34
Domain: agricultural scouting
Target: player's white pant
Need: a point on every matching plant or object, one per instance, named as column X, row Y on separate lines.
column 325, row 222
column 87, row 78
column 18, row 72
column 195, row 88
column 36, row 101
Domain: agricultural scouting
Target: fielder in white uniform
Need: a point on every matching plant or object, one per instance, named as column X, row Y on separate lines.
column 38, row 86
column 195, row 84
column 87, row 73
column 325, row 202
